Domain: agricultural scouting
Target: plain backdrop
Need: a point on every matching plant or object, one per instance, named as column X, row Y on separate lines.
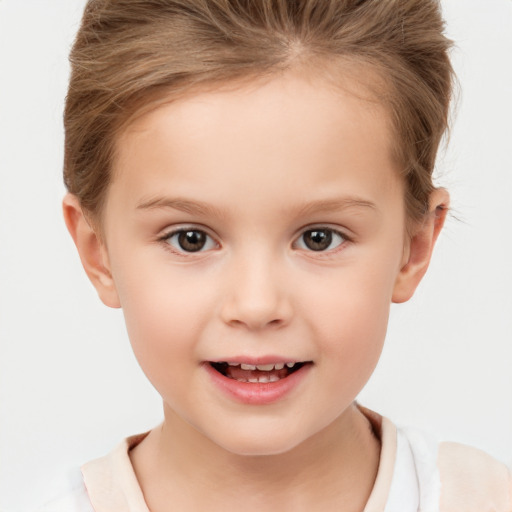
column 70, row 388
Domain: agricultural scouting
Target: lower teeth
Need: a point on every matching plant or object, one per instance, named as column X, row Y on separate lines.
column 263, row 379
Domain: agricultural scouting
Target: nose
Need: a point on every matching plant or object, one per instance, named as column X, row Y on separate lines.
column 256, row 295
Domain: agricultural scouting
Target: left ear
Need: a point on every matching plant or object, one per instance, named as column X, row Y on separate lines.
column 421, row 245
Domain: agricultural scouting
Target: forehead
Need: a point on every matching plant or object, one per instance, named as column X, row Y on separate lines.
column 291, row 128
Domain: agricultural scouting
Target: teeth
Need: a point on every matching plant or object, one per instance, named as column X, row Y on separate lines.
column 265, row 367
column 262, row 367
column 262, row 379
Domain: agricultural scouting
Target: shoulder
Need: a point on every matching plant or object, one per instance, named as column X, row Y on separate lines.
column 451, row 477
column 472, row 480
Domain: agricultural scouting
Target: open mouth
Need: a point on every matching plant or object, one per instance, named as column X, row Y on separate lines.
column 263, row 373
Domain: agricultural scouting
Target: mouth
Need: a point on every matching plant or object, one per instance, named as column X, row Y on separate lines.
column 260, row 373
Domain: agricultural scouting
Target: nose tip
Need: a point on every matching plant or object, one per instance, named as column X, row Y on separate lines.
column 256, row 302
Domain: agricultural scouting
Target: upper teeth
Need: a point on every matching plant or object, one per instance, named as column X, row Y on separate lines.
column 263, row 367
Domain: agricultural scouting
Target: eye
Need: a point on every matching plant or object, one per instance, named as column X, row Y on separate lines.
column 320, row 239
column 189, row 240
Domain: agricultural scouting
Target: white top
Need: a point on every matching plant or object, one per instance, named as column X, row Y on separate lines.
column 415, row 474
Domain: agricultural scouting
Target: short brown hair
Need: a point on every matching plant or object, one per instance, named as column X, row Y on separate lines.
column 130, row 51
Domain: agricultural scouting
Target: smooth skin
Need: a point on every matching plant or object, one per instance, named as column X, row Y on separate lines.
column 252, row 172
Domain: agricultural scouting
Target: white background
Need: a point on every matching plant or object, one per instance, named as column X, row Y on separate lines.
column 70, row 388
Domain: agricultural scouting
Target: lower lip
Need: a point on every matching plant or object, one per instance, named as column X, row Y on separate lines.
column 257, row 393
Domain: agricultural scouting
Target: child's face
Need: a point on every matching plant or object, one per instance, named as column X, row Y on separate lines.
column 296, row 239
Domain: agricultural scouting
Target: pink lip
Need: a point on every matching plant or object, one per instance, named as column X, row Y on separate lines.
column 257, row 393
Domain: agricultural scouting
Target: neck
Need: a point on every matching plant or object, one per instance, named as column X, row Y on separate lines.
column 335, row 467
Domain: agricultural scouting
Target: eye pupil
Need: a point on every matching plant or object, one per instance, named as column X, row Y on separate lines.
column 191, row 241
column 318, row 239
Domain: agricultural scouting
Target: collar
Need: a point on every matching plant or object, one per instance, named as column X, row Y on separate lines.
column 113, row 487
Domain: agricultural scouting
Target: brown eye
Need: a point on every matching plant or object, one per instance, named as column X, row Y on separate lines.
column 320, row 239
column 190, row 240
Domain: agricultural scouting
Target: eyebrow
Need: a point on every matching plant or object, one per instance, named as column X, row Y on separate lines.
column 184, row 205
column 205, row 209
column 336, row 204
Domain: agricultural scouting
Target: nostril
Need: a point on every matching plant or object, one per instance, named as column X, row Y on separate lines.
column 254, row 323
column 256, row 307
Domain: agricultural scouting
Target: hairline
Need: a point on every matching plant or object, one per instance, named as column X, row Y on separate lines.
column 346, row 74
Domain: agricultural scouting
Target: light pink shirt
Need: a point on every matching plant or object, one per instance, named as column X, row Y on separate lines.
column 415, row 474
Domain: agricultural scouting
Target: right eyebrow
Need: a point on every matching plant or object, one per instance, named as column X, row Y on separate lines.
column 183, row 205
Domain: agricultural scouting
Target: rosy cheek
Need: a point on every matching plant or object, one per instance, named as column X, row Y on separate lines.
column 353, row 313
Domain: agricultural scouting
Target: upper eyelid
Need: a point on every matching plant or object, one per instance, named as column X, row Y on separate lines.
column 164, row 240
column 167, row 234
column 169, row 231
column 340, row 231
column 322, row 253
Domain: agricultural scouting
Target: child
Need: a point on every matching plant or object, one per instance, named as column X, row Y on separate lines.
column 250, row 180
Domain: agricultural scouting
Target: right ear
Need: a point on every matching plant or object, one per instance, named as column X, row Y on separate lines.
column 92, row 251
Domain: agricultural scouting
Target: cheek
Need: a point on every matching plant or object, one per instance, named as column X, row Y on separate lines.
column 165, row 313
column 354, row 339
column 351, row 316
column 355, row 330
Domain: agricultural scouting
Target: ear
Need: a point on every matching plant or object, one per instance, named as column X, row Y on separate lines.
column 92, row 251
column 420, row 247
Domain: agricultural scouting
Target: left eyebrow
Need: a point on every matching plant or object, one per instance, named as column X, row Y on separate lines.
column 336, row 204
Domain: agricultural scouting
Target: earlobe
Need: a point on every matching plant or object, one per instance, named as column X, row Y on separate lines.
column 421, row 246
column 92, row 251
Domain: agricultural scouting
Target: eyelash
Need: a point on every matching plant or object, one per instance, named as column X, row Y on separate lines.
column 167, row 237
column 332, row 234
column 211, row 244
